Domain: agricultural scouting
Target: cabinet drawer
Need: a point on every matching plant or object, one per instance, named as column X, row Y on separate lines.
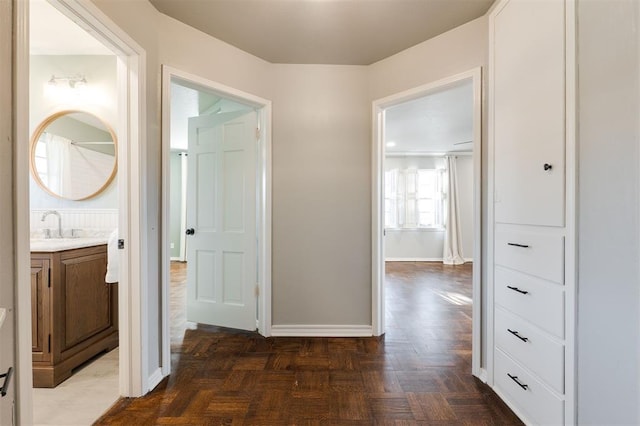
column 533, row 253
column 536, row 300
column 539, row 404
column 531, row 347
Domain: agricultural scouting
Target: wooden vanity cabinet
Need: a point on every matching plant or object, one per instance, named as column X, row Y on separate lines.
column 74, row 311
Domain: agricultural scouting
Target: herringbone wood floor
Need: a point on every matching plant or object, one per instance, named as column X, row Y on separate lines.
column 417, row 374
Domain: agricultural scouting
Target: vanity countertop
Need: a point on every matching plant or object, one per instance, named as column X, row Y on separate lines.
column 61, row 244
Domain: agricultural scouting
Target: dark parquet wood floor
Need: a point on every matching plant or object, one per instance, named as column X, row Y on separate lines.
column 417, row 374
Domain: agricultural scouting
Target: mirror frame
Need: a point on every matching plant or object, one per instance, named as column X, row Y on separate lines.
column 36, row 137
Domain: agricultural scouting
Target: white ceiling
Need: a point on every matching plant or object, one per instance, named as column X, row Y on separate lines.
column 438, row 123
column 353, row 32
column 52, row 33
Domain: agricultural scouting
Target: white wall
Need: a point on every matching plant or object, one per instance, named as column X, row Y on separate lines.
column 99, row 98
column 427, row 244
column 321, row 195
column 609, row 197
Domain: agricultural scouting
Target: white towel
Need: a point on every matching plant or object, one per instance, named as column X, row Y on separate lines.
column 112, row 258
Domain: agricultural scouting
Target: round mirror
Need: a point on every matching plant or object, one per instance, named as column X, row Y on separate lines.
column 73, row 155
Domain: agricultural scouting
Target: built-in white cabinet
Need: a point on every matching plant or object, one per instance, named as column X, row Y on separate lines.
column 528, row 92
column 532, row 285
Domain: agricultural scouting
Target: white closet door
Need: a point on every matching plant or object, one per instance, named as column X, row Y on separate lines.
column 529, row 114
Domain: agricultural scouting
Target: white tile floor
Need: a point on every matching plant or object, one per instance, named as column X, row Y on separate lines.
column 81, row 399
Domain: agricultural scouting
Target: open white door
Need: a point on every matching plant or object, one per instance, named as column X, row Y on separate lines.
column 221, row 220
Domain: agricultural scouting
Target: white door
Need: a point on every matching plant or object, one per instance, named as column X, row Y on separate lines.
column 221, row 220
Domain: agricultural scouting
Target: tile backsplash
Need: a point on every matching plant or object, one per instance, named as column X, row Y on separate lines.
column 89, row 220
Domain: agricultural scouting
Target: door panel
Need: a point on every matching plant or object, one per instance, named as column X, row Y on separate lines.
column 529, row 110
column 221, row 208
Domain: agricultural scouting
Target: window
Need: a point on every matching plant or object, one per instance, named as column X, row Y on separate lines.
column 414, row 198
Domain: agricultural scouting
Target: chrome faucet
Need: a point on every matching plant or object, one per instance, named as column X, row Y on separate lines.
column 44, row 216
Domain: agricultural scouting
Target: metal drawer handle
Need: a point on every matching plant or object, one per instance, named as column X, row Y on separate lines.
column 518, row 245
column 517, row 289
column 515, row 333
column 515, row 379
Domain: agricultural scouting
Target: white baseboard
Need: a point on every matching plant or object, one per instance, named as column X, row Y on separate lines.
column 155, row 379
column 321, row 331
column 177, row 259
column 468, row 259
column 482, row 375
column 413, row 259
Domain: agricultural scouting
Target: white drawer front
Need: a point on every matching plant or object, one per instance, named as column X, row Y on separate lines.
column 533, row 253
column 531, row 347
column 536, row 402
column 536, row 300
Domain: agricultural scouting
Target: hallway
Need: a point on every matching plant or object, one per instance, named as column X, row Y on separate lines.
column 418, row 373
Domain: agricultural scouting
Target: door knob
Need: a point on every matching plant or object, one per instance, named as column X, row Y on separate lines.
column 190, row 231
column 547, row 166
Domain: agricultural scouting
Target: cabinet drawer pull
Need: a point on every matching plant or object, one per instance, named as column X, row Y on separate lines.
column 517, row 289
column 515, row 379
column 518, row 245
column 515, row 333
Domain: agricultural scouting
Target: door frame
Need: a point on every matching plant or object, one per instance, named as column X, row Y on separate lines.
column 377, row 219
column 131, row 69
column 263, row 106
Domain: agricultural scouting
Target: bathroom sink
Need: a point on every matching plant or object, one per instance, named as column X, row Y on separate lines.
column 59, row 244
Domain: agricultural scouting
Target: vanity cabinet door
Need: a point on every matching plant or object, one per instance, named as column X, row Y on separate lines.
column 87, row 308
column 40, row 333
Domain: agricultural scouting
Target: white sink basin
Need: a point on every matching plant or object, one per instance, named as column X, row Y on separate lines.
column 60, row 244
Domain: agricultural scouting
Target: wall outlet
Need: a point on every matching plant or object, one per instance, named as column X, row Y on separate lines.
column 173, row 245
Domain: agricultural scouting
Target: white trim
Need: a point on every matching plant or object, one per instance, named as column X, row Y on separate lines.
column 489, row 235
column 264, row 193
column 321, row 331
column 154, row 379
column 183, row 207
column 571, row 236
column 476, row 274
column 176, row 259
column 24, row 373
column 482, row 375
column 377, row 217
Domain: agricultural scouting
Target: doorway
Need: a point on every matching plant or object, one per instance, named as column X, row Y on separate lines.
column 216, row 247
column 123, row 117
column 407, row 222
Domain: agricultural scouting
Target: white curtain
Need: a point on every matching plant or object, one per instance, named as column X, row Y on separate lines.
column 58, row 163
column 452, row 253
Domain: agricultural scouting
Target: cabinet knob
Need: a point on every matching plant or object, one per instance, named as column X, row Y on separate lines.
column 547, row 166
